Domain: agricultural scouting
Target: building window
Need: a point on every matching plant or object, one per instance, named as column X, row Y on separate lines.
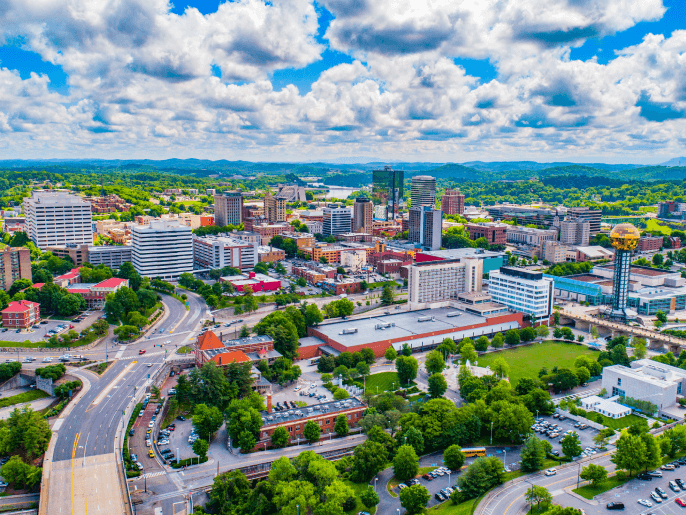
column 619, row 381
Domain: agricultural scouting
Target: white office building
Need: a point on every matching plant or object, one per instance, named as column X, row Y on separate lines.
column 336, row 220
column 213, row 252
column 434, row 282
column 58, row 218
column 112, row 256
column 162, row 249
column 522, row 290
column 607, row 407
column 423, row 192
column 646, row 380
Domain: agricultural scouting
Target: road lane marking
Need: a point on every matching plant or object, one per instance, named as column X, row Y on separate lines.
column 109, row 387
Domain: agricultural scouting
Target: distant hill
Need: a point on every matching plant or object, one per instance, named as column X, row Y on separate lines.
column 677, row 161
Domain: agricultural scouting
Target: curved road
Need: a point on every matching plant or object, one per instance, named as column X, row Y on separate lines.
column 84, row 476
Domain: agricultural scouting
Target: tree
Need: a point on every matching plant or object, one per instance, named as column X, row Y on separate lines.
column 388, row 295
column 288, row 496
column 280, row 437
column 500, row 367
column 527, row 334
column 280, row 327
column 391, row 354
column 594, row 473
column 538, row 494
column 341, row 394
column 406, row 350
column 497, row 341
column 246, row 441
column 468, row 353
column 630, row 454
column 368, row 459
column 341, row 426
column 414, row 499
column 434, row 362
column 582, row 374
column 481, row 476
column 482, row 344
column 437, row 385
column 200, row 448
column 542, row 331
column 571, row 445
column 512, row 337
column 453, row 457
column 369, row 498
column 532, row 454
column 405, row 463
column 640, row 349
column 414, row 438
column 312, row 431
column 20, row 474
column 407, row 368
column 601, row 438
column 594, row 331
column 207, row 420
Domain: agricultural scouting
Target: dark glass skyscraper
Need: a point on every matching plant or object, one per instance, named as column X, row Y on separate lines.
column 387, row 186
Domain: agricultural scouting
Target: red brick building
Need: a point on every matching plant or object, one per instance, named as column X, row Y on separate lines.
column 21, row 314
column 294, row 420
column 675, row 241
column 452, row 202
column 224, row 350
column 649, row 243
column 337, row 288
column 495, row 234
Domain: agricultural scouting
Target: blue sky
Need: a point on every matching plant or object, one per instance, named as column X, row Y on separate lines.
column 531, row 81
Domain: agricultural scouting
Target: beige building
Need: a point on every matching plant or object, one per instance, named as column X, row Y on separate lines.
column 274, row 208
column 557, row 252
column 575, row 231
column 518, row 235
column 228, row 208
column 434, row 282
column 354, row 259
column 363, row 211
column 269, row 254
column 15, row 264
column 302, row 239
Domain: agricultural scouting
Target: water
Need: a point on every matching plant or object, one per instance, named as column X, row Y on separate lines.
column 340, row 192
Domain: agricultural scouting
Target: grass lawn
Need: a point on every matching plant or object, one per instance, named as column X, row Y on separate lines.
column 527, row 361
column 615, row 423
column 359, row 488
column 386, row 381
column 187, row 203
column 186, row 349
column 653, row 225
column 588, row 492
column 33, row 395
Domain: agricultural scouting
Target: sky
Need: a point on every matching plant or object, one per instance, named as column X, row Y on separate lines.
column 302, row 80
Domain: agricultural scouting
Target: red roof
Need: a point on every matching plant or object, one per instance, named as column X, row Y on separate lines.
column 38, row 285
column 209, row 340
column 20, row 306
column 74, row 272
column 235, row 356
column 112, row 282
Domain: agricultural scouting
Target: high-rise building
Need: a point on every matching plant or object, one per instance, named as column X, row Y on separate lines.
column 522, row 290
column 423, row 192
column 274, row 208
column 336, row 220
column 112, row 256
column 363, row 209
column 15, row 264
column 452, row 202
column 228, row 208
column 58, row 218
column 624, row 238
column 387, row 186
column 440, row 281
column 575, row 231
column 584, row 213
column 425, row 226
column 162, row 249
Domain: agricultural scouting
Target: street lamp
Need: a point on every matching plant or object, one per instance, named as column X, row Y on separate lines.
column 376, row 479
column 491, row 432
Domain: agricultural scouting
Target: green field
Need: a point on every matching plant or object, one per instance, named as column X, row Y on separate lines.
column 527, row 361
column 33, row 395
column 618, row 423
column 359, row 488
column 386, row 381
column 654, row 225
column 186, row 203
column 588, row 492
column 186, row 349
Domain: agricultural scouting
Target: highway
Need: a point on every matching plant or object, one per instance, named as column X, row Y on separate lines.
column 84, row 478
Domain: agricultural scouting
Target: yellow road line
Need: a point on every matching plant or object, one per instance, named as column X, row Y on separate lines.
column 73, row 454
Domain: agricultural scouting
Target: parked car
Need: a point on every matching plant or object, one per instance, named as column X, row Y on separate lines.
column 656, row 497
column 680, row 502
column 151, row 453
column 645, row 502
column 615, row 506
column 674, row 486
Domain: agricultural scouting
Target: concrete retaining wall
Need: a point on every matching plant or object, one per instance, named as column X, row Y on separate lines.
column 19, row 380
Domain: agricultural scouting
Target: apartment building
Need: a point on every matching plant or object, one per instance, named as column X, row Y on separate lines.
column 163, row 248
column 228, row 208
column 302, row 239
column 336, row 220
column 268, row 231
column 216, row 252
column 21, row 314
column 522, row 290
column 274, row 208
column 425, row 226
column 113, row 256
column 269, row 254
column 314, row 226
column 557, row 252
column 649, row 243
column 518, row 235
column 575, row 231
column 494, row 233
column 58, row 218
column 363, row 211
column 593, row 216
column 15, row 264
column 452, row 202
column 441, row 281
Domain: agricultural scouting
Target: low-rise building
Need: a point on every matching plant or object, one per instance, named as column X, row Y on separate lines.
column 21, row 314
column 258, row 282
column 518, row 235
column 607, row 407
column 113, row 256
column 302, row 239
column 341, row 286
column 557, row 252
column 649, row 243
column 269, row 254
column 495, row 233
column 95, row 294
column 594, row 253
column 354, row 259
column 73, row 276
column 224, row 349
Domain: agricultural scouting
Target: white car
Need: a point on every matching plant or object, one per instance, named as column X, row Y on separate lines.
column 163, row 442
column 139, row 465
column 313, row 385
column 168, row 341
column 645, row 503
column 550, row 472
column 148, row 443
column 151, row 424
column 296, row 389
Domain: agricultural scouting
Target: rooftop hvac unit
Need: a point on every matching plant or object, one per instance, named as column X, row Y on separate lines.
column 454, row 314
column 385, row 326
column 352, row 330
column 426, row 319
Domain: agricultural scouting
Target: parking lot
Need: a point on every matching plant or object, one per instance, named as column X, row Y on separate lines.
column 629, row 494
column 32, row 335
column 585, row 435
column 291, row 395
column 137, row 443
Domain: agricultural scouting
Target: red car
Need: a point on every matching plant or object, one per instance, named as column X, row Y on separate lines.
column 680, row 502
column 142, row 351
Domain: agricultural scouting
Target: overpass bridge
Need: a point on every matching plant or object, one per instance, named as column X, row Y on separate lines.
column 653, row 338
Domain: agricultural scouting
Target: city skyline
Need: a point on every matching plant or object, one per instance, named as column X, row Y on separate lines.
column 276, row 81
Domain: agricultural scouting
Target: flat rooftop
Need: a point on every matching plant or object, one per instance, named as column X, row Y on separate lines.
column 642, row 270
column 406, row 325
column 586, row 278
column 279, row 417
